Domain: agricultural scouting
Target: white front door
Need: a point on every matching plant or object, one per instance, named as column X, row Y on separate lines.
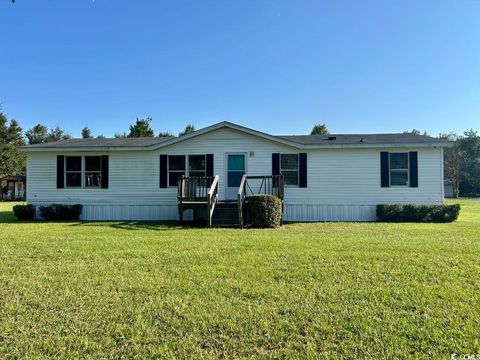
column 236, row 166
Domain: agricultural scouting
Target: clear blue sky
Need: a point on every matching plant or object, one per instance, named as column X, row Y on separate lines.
column 273, row 65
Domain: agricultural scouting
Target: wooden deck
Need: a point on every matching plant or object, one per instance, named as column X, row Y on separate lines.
column 197, row 193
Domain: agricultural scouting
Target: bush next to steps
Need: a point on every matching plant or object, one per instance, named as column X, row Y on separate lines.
column 263, row 211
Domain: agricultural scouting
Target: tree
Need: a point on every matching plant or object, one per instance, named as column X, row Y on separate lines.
column 4, row 147
column 470, row 174
column 86, row 133
column 12, row 161
column 415, row 132
column 461, row 162
column 320, row 129
column 57, row 134
column 141, row 128
column 120, row 135
column 453, row 161
column 188, row 130
column 15, row 138
column 165, row 134
column 37, row 135
column 101, row 136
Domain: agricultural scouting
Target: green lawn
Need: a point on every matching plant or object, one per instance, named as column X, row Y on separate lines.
column 124, row 289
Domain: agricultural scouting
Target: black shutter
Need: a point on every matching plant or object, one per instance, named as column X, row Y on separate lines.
column 275, row 167
column 384, row 169
column 60, row 171
column 209, row 165
column 105, row 168
column 163, row 171
column 413, row 169
column 302, row 181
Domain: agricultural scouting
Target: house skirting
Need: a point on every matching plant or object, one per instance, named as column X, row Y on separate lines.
column 292, row 212
column 323, row 212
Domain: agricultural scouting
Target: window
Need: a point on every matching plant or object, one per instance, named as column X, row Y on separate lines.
column 73, row 171
column 88, row 168
column 186, row 165
column 289, row 168
column 93, row 167
column 398, row 169
column 176, row 169
column 196, row 165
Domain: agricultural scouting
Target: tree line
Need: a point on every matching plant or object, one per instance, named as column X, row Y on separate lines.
column 461, row 163
column 40, row 134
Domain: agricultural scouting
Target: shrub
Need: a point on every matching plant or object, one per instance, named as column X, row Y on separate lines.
column 263, row 211
column 24, row 212
column 418, row 213
column 61, row 212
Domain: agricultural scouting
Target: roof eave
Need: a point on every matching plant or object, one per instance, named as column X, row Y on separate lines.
column 366, row 146
column 299, row 146
column 83, row 149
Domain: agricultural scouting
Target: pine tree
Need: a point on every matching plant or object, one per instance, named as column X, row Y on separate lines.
column 57, row 134
column 165, row 134
column 86, row 133
column 188, row 130
column 320, row 129
column 37, row 134
column 141, row 128
column 12, row 161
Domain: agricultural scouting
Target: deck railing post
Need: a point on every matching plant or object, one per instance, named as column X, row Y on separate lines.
column 212, row 199
column 240, row 199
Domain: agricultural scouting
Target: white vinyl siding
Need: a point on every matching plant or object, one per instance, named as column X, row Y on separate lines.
column 343, row 184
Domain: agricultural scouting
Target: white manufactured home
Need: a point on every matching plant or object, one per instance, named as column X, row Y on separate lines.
column 324, row 178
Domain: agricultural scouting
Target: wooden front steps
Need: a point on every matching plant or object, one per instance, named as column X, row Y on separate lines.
column 201, row 193
column 225, row 214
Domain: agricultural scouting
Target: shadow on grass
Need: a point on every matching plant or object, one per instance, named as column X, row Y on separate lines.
column 8, row 217
column 141, row 225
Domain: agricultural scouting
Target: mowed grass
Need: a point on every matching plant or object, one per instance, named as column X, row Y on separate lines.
column 323, row 290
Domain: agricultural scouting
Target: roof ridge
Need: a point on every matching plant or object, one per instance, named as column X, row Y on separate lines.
column 355, row 134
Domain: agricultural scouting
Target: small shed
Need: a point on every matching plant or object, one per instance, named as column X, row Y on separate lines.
column 448, row 189
column 13, row 188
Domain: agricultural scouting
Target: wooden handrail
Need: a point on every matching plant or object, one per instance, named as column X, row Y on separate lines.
column 242, row 184
column 240, row 199
column 212, row 199
column 213, row 186
column 270, row 185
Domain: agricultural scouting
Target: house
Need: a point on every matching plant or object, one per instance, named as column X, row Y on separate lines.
column 13, row 188
column 327, row 178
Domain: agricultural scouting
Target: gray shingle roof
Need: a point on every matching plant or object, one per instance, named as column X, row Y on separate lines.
column 102, row 142
column 368, row 139
column 333, row 140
